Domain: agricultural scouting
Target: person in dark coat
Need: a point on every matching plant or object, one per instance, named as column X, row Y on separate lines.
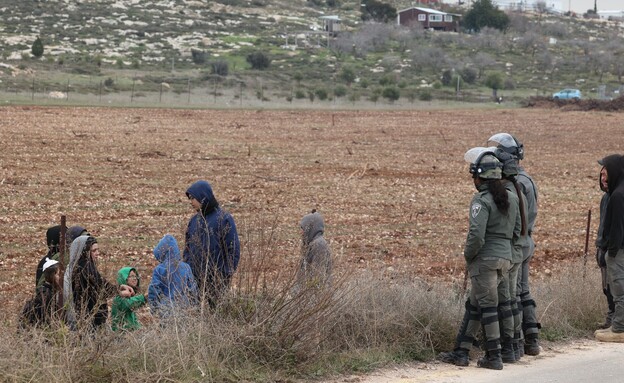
column 212, row 247
column 601, row 248
column 84, row 289
column 44, row 307
column 53, row 237
column 614, row 234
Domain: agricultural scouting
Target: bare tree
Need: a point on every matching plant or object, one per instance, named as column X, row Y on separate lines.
column 483, row 61
column 616, row 47
column 530, row 43
column 430, row 58
column 518, row 22
column 489, row 39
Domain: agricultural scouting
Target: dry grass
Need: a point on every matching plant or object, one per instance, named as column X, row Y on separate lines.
column 363, row 322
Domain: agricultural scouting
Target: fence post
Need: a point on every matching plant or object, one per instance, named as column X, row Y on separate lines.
column 240, row 93
column 33, row 89
column 67, row 91
column 188, row 101
column 160, row 95
column 100, row 92
column 132, row 94
column 215, row 90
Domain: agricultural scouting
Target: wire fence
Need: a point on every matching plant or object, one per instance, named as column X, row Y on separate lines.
column 216, row 92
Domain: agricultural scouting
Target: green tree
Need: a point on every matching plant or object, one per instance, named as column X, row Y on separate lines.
column 377, row 11
column 347, row 75
column 340, row 91
column 37, row 48
column 495, row 82
column 485, row 14
column 392, row 93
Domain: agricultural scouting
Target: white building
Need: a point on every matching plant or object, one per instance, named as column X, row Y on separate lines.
column 615, row 15
column 555, row 6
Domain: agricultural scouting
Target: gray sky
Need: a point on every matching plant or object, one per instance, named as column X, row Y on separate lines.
column 581, row 6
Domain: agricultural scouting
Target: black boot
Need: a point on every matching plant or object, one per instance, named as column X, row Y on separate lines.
column 491, row 360
column 515, row 344
column 458, row 357
column 531, row 345
column 507, row 351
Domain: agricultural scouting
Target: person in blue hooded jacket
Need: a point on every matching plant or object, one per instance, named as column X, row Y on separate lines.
column 173, row 285
column 212, row 246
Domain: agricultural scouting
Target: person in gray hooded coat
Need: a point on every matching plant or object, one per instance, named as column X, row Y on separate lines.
column 315, row 269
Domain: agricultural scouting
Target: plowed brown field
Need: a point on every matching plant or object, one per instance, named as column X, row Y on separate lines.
column 393, row 186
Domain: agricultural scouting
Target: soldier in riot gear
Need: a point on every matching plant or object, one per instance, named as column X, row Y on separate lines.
column 494, row 220
column 530, row 325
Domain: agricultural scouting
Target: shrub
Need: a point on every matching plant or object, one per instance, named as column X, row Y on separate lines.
column 347, row 75
column 447, row 77
column 37, row 48
column 364, row 83
column 299, row 94
column 219, row 67
column 437, row 85
column 109, row 82
column 198, row 56
column 469, row 75
column 425, row 95
column 321, row 93
column 258, row 60
column 392, row 93
column 386, row 80
column 340, row 91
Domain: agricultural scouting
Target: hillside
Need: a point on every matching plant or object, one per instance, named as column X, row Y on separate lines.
column 137, row 45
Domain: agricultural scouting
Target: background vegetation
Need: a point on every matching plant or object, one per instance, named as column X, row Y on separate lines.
column 277, row 43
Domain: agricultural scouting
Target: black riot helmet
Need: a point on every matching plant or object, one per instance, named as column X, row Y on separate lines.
column 508, row 143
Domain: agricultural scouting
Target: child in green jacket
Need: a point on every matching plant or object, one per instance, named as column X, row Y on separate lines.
column 127, row 300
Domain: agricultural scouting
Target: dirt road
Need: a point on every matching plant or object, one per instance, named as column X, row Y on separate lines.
column 582, row 361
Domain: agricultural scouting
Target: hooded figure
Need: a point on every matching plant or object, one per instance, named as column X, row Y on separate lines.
column 315, row 269
column 212, row 247
column 122, row 311
column 53, row 236
column 84, row 290
column 44, row 307
column 172, row 283
column 614, row 235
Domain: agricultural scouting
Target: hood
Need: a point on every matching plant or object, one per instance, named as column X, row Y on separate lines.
column 122, row 275
column 615, row 170
column 53, row 236
column 202, row 191
column 74, row 232
column 312, row 226
column 167, row 249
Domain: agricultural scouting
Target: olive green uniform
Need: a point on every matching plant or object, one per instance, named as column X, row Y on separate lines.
column 488, row 254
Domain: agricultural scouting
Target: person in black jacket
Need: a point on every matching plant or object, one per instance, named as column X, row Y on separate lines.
column 43, row 308
column 601, row 248
column 614, row 233
column 53, row 236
